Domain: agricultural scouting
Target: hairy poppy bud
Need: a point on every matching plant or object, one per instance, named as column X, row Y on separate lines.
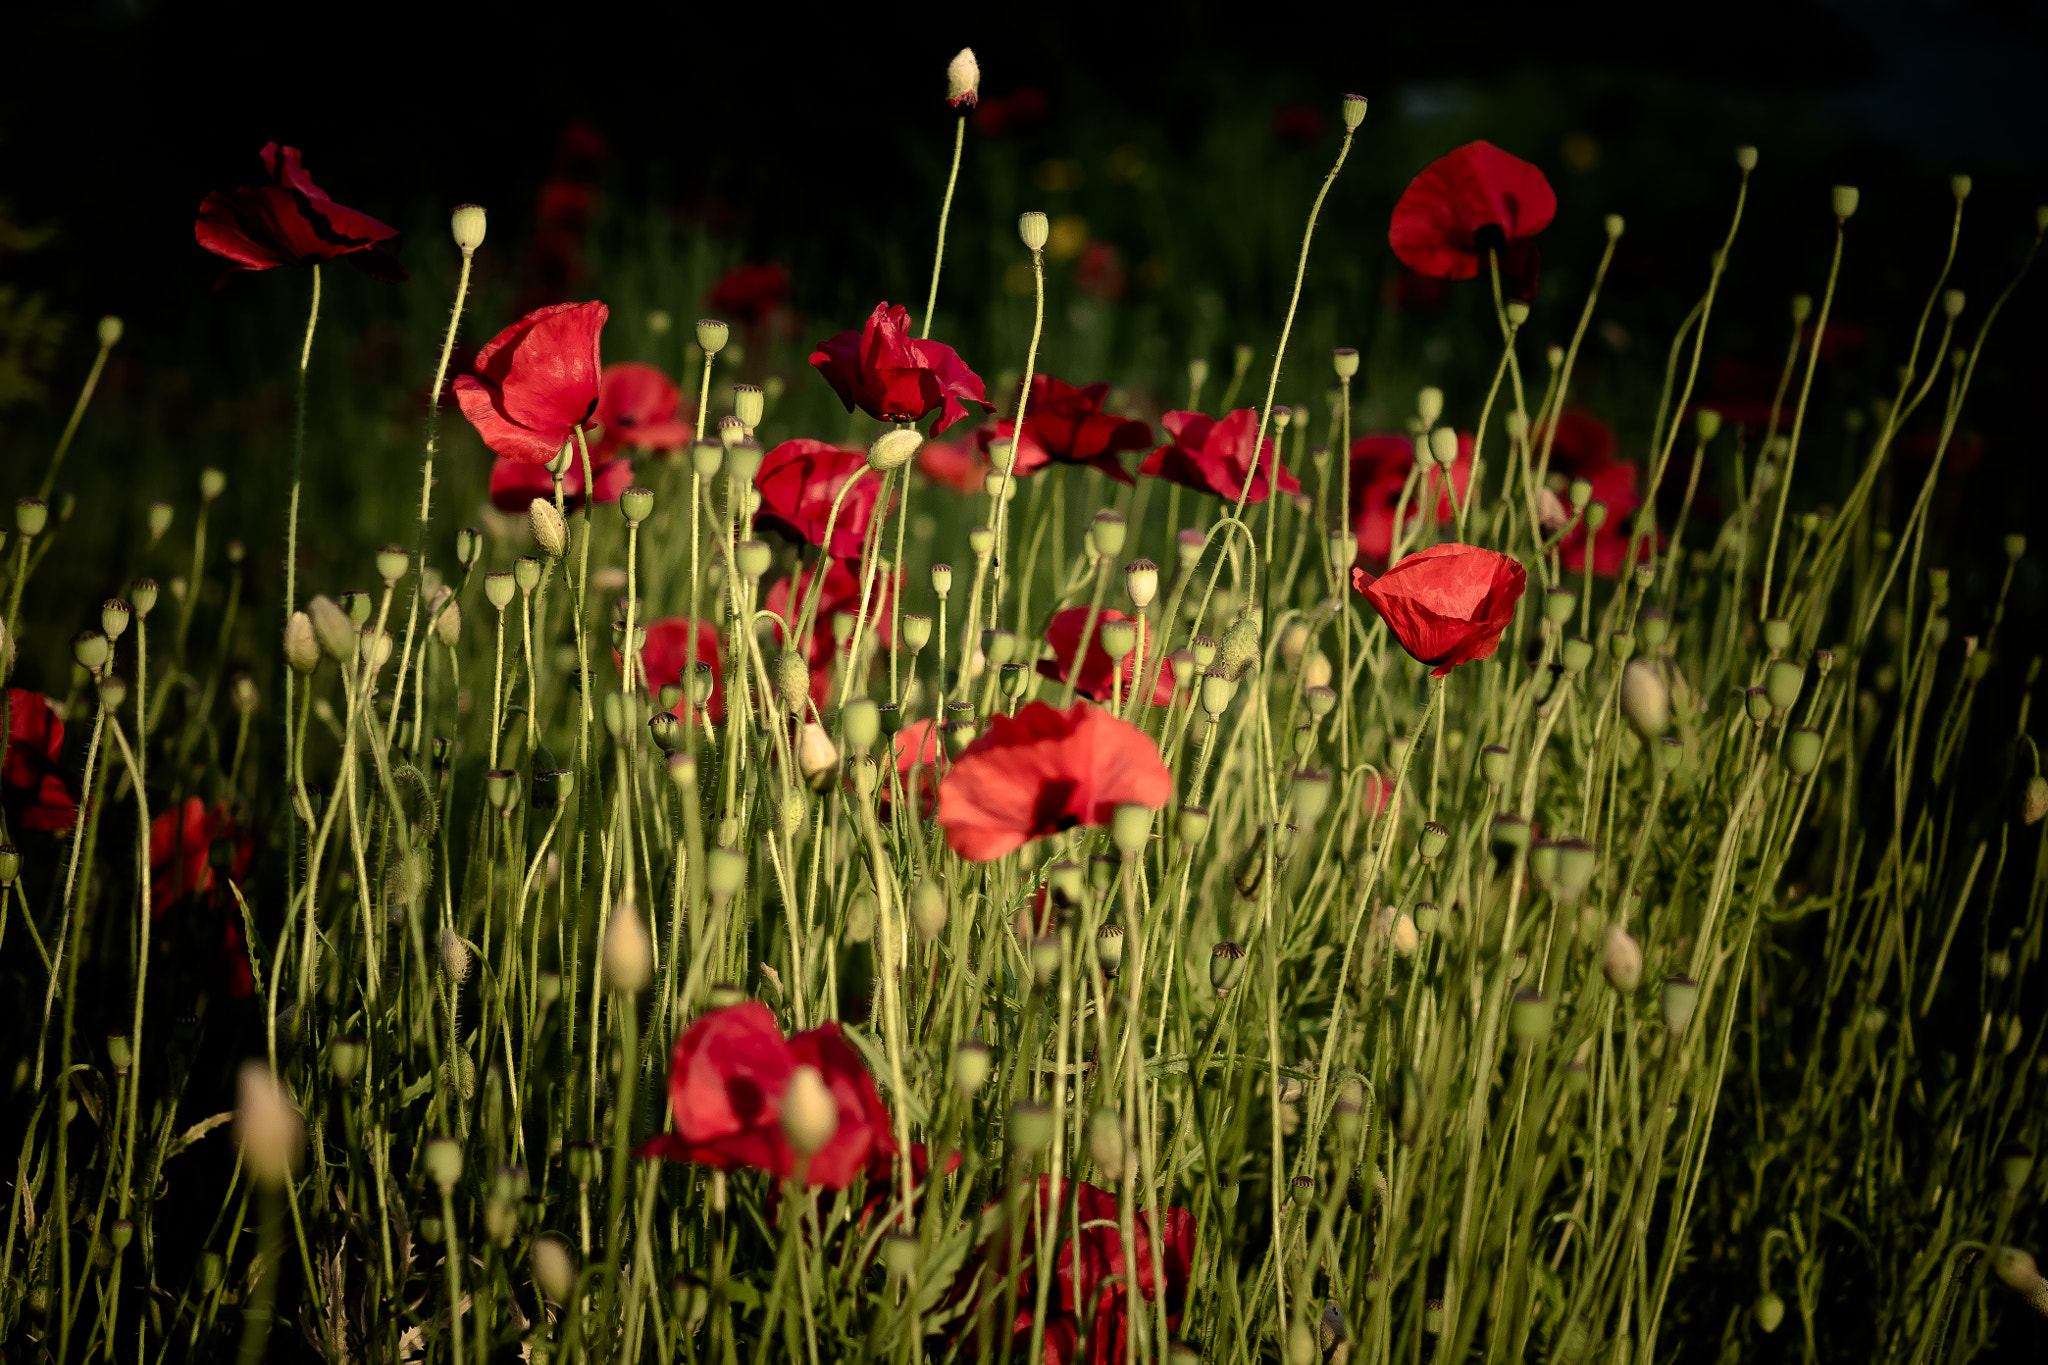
column 1770, row 1311
column 331, row 625
column 792, row 681
column 893, row 449
column 963, row 79
column 1239, row 650
column 1353, row 107
column 810, row 1116
column 816, row 754
column 928, row 910
column 467, row 224
column 1034, row 228
column 550, row 532
column 271, row 1133
column 712, row 335
column 2034, row 800
column 1621, row 958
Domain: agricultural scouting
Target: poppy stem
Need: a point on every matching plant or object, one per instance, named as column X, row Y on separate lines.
column 931, row 300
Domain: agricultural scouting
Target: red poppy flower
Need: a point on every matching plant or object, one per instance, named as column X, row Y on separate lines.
column 998, row 115
column 1583, row 445
column 180, row 844
column 1099, row 273
column 1475, row 200
column 841, row 593
column 1298, row 126
column 748, row 293
column 959, row 468
column 1376, row 791
column 1045, row 770
column 1064, row 635
column 667, row 653
column 725, row 1087
column 536, row 381
column 892, row 376
column 638, row 405
column 916, row 747
column 798, row 481
column 1448, row 604
column 290, row 221
column 514, row 486
column 1614, row 485
column 1090, row 1275
column 1213, row 457
column 1379, row 472
column 38, row 797
column 1064, row 424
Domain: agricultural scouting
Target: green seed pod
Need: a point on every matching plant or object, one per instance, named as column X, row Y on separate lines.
column 1621, row 958
column 1680, row 996
column 1107, row 532
column 1239, row 650
column 705, row 458
column 120, row 1053
column 1000, row 646
column 743, row 461
column 1226, row 967
column 1576, row 653
column 526, row 573
column 792, row 681
column 1595, row 514
column 1188, row 546
column 444, row 1161
column 1757, row 702
column 207, row 1273
column 1576, row 863
column 585, row 1159
column 1802, row 751
column 1558, row 604
column 392, row 562
column 1311, row 795
column 1218, row 687
column 469, row 546
column 1494, row 762
column 1510, row 835
column 753, row 558
column 723, row 869
column 142, row 596
column 971, row 1065
column 1543, row 862
column 1130, row 828
column 1014, row 679
column 942, row 580
column 1668, row 753
column 1321, row 701
column 1431, row 844
column 1202, row 649
column 2015, row 1164
column 1065, row 883
column 1044, row 953
column 1109, row 948
column 666, row 731
column 1119, row 638
column 724, row 995
column 31, row 516
column 917, row 632
column 1529, row 1017
column 866, row 773
column 712, row 335
column 1030, row 1128
column 1782, row 682
column 10, row 865
column 1769, row 1310
column 928, row 910
column 1653, row 627
column 982, row 542
column 682, row 771
column 860, row 721
column 1620, row 645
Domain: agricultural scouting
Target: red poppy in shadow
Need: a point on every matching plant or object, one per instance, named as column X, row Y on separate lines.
column 839, row 596
column 290, row 221
column 1214, row 457
column 1583, row 445
column 665, row 657
column 1064, row 635
column 1448, row 604
column 798, row 481
column 1614, row 486
column 1090, row 1276
column 894, row 377
column 958, row 467
column 748, row 293
column 1476, row 200
column 1099, row 272
column 37, row 795
column 514, row 486
column 638, row 405
column 1380, row 465
column 1001, row 115
column 726, row 1082
column 1298, row 126
column 536, row 382
column 181, row 869
column 1045, row 770
column 1065, row 424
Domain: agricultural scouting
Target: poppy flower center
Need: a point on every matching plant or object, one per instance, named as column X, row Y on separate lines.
column 1051, row 812
column 1492, row 237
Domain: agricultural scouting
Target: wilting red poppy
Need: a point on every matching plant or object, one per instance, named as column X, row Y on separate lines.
column 1090, row 1274
column 1583, row 445
column 38, row 797
column 725, row 1087
column 1065, row 424
column 638, row 405
column 1475, row 200
column 892, row 376
column 1380, row 464
column 666, row 654
column 290, row 221
column 514, row 486
column 1064, row 635
column 958, row 467
column 798, row 481
column 1045, row 770
column 1447, row 605
column 536, row 381
column 1213, row 457
column 841, row 593
column 748, row 293
column 1615, row 486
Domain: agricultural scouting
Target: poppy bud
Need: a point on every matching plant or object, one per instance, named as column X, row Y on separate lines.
column 1404, row 936
column 1106, row 1143
column 1353, row 108
column 1845, row 199
column 1758, row 704
column 31, row 515
column 1681, row 995
column 455, row 955
column 1575, row 654
column 810, row 1116
column 301, row 649
column 712, row 335
column 1494, row 763
column 816, row 755
column 374, row 647
column 1769, row 1310
column 1621, row 958
column 1218, row 687
column 467, row 224
column 1033, row 227
column 271, row 1133
column 893, row 449
column 1226, row 966
column 1107, row 530
column 628, row 951
column 1141, row 581
column 1345, row 360
column 554, row 1269
column 982, row 541
column 792, row 681
column 963, row 79
column 1614, row 225
column 1030, row 1128
column 1443, row 446
column 2016, row 1271
column 971, row 1065
column 1529, row 1017
column 1311, row 795
column 212, row 483
column 1645, row 700
column 1239, row 650
column 550, row 532
column 1745, row 158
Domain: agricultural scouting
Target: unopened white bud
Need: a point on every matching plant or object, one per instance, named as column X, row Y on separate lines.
column 963, row 79
column 550, row 532
column 893, row 449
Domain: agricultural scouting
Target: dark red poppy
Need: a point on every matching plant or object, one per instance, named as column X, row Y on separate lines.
column 1064, row 635
column 290, row 221
column 1408, row 292
column 1380, row 464
column 892, row 376
column 536, row 382
column 1091, row 1275
column 1065, row 424
column 798, row 481
column 747, row 293
column 38, row 797
column 1475, row 200
column 1583, row 445
column 998, row 115
column 666, row 653
column 514, row 486
column 1298, row 126
column 960, row 468
column 181, row 844
column 638, row 405
column 1099, row 272
column 1615, row 486
column 1045, row 770
column 1447, row 605
column 1743, row 391
column 725, row 1087
column 841, row 594
column 1214, row 457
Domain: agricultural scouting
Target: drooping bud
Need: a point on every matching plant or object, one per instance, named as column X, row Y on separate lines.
column 1239, row 650
column 1681, row 995
column 792, row 681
